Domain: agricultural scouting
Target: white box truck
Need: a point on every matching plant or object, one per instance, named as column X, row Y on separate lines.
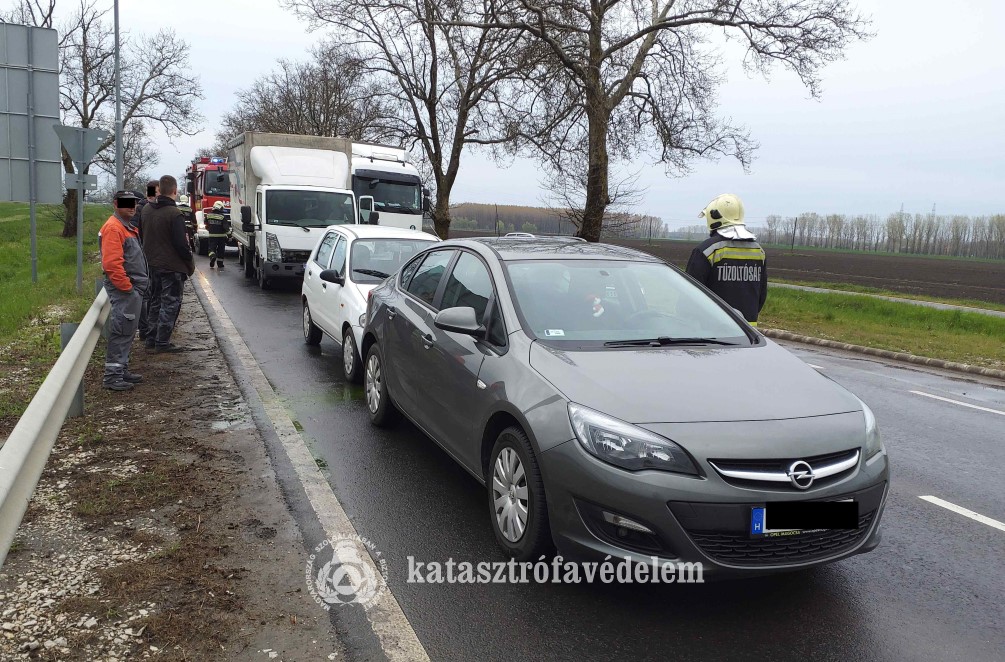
column 288, row 189
column 384, row 174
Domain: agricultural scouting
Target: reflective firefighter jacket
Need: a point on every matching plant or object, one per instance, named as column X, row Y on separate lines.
column 217, row 223
column 735, row 269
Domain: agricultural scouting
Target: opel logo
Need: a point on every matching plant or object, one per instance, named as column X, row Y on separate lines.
column 801, row 474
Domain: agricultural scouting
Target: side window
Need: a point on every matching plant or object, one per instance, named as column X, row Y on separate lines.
column 497, row 329
column 469, row 285
column 338, row 262
column 325, row 250
column 408, row 272
column 427, row 277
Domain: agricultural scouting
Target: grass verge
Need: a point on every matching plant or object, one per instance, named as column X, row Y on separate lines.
column 951, row 335
column 30, row 313
column 849, row 287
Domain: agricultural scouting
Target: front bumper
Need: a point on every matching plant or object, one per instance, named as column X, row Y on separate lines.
column 283, row 269
column 697, row 519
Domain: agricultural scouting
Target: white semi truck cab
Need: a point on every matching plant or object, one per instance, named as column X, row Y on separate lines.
column 384, row 174
column 285, row 190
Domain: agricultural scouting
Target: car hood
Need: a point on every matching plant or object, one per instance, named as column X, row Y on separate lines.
column 692, row 384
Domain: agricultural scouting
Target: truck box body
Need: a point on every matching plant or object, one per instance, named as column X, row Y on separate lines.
column 384, row 172
column 295, row 186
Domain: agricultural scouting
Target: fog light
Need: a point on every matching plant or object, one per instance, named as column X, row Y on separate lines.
column 275, row 267
column 625, row 523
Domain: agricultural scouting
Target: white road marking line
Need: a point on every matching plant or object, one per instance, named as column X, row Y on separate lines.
column 993, row 523
column 389, row 623
column 818, row 367
column 957, row 402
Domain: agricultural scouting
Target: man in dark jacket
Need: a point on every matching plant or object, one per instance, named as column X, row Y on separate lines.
column 141, row 202
column 171, row 263
column 125, row 269
column 730, row 262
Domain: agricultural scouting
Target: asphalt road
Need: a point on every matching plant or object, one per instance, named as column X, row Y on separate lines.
column 933, row 590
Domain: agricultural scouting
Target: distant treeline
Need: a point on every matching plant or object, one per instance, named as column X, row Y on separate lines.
column 544, row 220
column 920, row 234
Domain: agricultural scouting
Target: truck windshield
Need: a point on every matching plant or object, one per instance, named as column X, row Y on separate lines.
column 216, row 183
column 391, row 197
column 308, row 209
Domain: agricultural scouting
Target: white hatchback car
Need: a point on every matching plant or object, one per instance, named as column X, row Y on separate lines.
column 347, row 262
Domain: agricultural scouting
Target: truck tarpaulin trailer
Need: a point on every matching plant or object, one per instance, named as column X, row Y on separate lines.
column 288, row 189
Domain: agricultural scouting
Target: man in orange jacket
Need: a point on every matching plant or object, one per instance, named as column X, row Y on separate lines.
column 126, row 279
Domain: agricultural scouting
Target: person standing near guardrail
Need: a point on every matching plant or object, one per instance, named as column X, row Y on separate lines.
column 730, row 262
column 125, row 268
column 171, row 263
column 141, row 203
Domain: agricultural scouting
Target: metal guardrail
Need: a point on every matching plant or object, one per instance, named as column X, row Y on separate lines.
column 23, row 456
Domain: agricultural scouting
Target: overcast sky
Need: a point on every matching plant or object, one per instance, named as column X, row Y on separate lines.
column 914, row 117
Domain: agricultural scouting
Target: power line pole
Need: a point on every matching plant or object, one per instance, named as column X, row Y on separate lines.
column 118, row 106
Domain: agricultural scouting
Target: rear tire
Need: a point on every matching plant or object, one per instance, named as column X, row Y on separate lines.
column 352, row 366
column 201, row 246
column 312, row 334
column 383, row 412
column 248, row 261
column 518, row 508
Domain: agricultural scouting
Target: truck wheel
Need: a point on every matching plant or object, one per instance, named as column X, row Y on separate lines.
column 201, row 246
column 263, row 282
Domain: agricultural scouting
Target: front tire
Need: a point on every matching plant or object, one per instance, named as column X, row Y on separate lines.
column 518, row 508
column 249, row 263
column 352, row 367
column 383, row 412
column 263, row 282
column 201, row 246
column 312, row 334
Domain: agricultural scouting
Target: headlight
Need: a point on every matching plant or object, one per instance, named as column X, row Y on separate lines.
column 273, row 251
column 873, row 442
column 625, row 445
column 362, row 319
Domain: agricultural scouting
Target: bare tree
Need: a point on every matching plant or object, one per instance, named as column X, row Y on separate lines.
column 440, row 77
column 138, row 157
column 156, row 87
column 332, row 94
column 30, row 12
column 567, row 188
column 628, row 77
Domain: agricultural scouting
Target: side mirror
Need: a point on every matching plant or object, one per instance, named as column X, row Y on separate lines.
column 190, row 187
column 427, row 204
column 247, row 225
column 331, row 276
column 374, row 217
column 459, row 320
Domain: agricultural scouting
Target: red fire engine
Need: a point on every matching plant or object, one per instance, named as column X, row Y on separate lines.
column 208, row 182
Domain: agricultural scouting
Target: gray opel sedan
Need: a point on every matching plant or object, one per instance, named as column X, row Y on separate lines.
column 612, row 405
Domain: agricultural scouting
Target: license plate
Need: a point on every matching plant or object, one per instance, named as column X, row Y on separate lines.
column 798, row 518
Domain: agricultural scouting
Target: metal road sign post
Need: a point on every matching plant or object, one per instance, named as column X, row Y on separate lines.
column 81, row 144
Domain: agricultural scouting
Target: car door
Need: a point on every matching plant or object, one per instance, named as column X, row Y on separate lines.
column 331, row 293
column 312, row 282
column 457, row 399
column 412, row 331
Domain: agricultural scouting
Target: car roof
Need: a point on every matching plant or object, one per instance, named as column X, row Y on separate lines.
column 550, row 248
column 362, row 231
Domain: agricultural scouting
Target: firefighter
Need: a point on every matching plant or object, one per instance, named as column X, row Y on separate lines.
column 190, row 224
column 730, row 262
column 218, row 226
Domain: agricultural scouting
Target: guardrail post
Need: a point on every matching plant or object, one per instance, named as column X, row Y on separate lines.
column 66, row 331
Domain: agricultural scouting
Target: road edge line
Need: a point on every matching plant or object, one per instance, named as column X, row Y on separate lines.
column 389, row 623
column 966, row 512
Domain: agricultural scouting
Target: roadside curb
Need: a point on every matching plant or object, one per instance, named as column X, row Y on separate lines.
column 903, row 357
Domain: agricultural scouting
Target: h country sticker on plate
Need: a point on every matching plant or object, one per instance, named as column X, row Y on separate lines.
column 799, row 517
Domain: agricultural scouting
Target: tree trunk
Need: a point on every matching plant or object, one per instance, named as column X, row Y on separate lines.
column 70, row 213
column 441, row 215
column 597, row 197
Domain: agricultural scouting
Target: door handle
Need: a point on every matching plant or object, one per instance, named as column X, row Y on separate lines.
column 391, row 312
column 324, row 286
column 427, row 340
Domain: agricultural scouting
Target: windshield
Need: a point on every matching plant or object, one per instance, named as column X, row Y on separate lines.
column 308, row 209
column 216, row 183
column 589, row 302
column 373, row 260
column 393, row 197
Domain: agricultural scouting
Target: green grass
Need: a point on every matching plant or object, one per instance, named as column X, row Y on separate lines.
column 951, row 335
column 30, row 313
column 848, row 287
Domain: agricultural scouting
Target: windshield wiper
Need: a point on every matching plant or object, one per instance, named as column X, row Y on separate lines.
column 371, row 272
column 663, row 341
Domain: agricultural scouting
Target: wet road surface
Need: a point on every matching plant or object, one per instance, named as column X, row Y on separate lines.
column 933, row 590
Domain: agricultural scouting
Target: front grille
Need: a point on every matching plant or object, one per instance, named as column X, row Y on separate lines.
column 738, row 548
column 296, row 256
column 779, row 467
